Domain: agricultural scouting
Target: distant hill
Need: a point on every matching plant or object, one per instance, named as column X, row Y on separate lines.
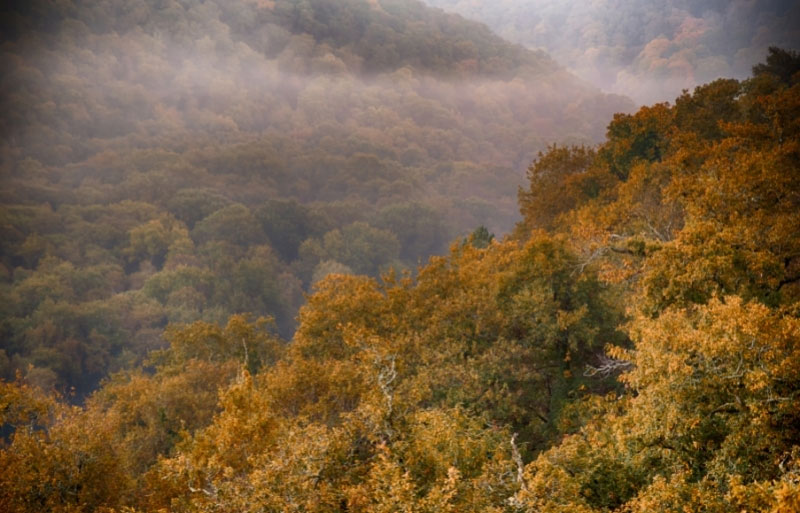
column 367, row 35
column 179, row 160
column 647, row 50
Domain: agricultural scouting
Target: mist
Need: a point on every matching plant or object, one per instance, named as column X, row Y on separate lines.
column 371, row 256
column 83, row 90
column 648, row 51
column 177, row 161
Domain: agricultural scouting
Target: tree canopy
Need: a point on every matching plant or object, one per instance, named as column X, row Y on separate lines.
column 167, row 162
column 633, row 345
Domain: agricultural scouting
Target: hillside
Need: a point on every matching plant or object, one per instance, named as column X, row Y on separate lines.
column 164, row 162
column 633, row 347
column 648, row 51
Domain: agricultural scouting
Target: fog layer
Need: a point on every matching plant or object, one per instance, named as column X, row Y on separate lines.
column 649, row 51
column 164, row 162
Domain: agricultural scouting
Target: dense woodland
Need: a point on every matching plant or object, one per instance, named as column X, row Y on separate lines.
column 632, row 346
column 166, row 162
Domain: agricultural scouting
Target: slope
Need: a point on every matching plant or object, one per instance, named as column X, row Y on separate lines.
column 173, row 161
column 635, row 348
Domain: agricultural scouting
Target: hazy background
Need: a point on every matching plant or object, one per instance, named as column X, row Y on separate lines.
column 168, row 161
column 648, row 51
column 164, row 161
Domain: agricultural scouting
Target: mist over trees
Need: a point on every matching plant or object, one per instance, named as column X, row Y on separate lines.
column 649, row 51
column 335, row 256
column 634, row 346
column 172, row 161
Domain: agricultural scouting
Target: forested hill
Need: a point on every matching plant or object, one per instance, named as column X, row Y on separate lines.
column 366, row 36
column 632, row 347
column 169, row 161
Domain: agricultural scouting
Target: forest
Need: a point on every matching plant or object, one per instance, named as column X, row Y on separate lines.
column 235, row 278
column 166, row 162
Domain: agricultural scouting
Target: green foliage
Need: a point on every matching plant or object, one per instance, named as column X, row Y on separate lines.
column 480, row 238
column 234, row 224
column 419, row 229
column 193, row 205
column 640, row 137
column 782, row 64
column 287, row 224
column 242, row 141
column 634, row 347
column 361, row 247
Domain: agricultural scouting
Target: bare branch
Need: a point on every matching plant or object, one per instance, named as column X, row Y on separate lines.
column 607, row 367
column 518, row 461
column 386, row 377
column 514, row 501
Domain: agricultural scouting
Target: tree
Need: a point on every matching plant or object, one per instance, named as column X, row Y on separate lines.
column 782, row 64
column 710, row 411
column 419, row 229
column 560, row 179
column 287, row 224
column 234, row 223
column 361, row 247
